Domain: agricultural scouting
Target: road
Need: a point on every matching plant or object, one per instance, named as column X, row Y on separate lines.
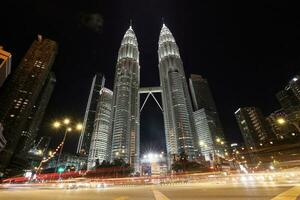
column 210, row 191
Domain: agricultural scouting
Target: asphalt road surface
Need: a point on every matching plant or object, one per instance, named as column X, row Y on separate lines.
column 230, row 191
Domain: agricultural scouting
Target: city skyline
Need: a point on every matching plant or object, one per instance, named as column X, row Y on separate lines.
column 260, row 96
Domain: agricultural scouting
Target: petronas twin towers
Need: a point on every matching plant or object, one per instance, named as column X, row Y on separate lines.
column 177, row 108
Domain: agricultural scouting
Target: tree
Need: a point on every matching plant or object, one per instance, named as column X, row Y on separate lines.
column 119, row 162
column 183, row 164
column 105, row 164
column 97, row 164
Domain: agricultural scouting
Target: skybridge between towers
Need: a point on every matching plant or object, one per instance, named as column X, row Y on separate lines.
column 150, row 91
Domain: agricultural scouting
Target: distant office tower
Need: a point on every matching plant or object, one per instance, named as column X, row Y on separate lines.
column 280, row 131
column 29, row 133
column 201, row 93
column 126, row 103
column 253, row 126
column 294, row 85
column 203, row 100
column 288, row 100
column 2, row 139
column 178, row 111
column 100, row 148
column 206, row 129
column 21, row 93
column 90, row 113
column 5, row 65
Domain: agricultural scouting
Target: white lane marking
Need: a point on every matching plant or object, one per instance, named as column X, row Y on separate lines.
column 159, row 196
column 290, row 194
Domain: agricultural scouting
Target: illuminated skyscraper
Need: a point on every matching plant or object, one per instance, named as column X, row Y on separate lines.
column 206, row 129
column 208, row 125
column 90, row 113
column 178, row 112
column 30, row 132
column 253, row 126
column 100, row 148
column 21, row 93
column 2, row 139
column 126, row 103
column 294, row 84
column 5, row 65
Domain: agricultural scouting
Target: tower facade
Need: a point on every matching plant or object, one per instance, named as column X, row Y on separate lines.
column 5, row 65
column 208, row 124
column 253, row 126
column 90, row 114
column 201, row 93
column 177, row 106
column 101, row 138
column 30, row 132
column 126, row 102
column 294, row 84
column 20, row 94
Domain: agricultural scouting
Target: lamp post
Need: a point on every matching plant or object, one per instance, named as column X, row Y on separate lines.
column 281, row 121
column 66, row 123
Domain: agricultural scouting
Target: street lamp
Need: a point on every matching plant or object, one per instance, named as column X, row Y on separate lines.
column 56, row 124
column 67, row 121
column 67, row 125
column 79, row 127
column 282, row 121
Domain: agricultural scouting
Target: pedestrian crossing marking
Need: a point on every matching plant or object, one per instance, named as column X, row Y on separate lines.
column 159, row 196
column 290, row 194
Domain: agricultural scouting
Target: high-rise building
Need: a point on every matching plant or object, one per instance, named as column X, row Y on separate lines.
column 100, row 148
column 90, row 113
column 30, row 132
column 294, row 85
column 126, row 102
column 288, row 100
column 206, row 114
column 5, row 65
column 21, row 93
column 178, row 112
column 201, row 93
column 281, row 131
column 206, row 129
column 2, row 139
column 253, row 127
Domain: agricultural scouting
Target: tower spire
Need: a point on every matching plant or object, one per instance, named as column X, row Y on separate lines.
column 163, row 21
column 130, row 23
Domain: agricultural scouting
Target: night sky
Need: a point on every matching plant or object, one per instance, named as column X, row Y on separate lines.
column 247, row 51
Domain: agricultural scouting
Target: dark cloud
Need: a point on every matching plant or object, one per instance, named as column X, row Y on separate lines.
column 92, row 21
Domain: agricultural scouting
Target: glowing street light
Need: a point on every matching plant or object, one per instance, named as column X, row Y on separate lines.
column 281, row 121
column 67, row 121
column 201, row 143
column 79, row 127
column 56, row 124
column 218, row 140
